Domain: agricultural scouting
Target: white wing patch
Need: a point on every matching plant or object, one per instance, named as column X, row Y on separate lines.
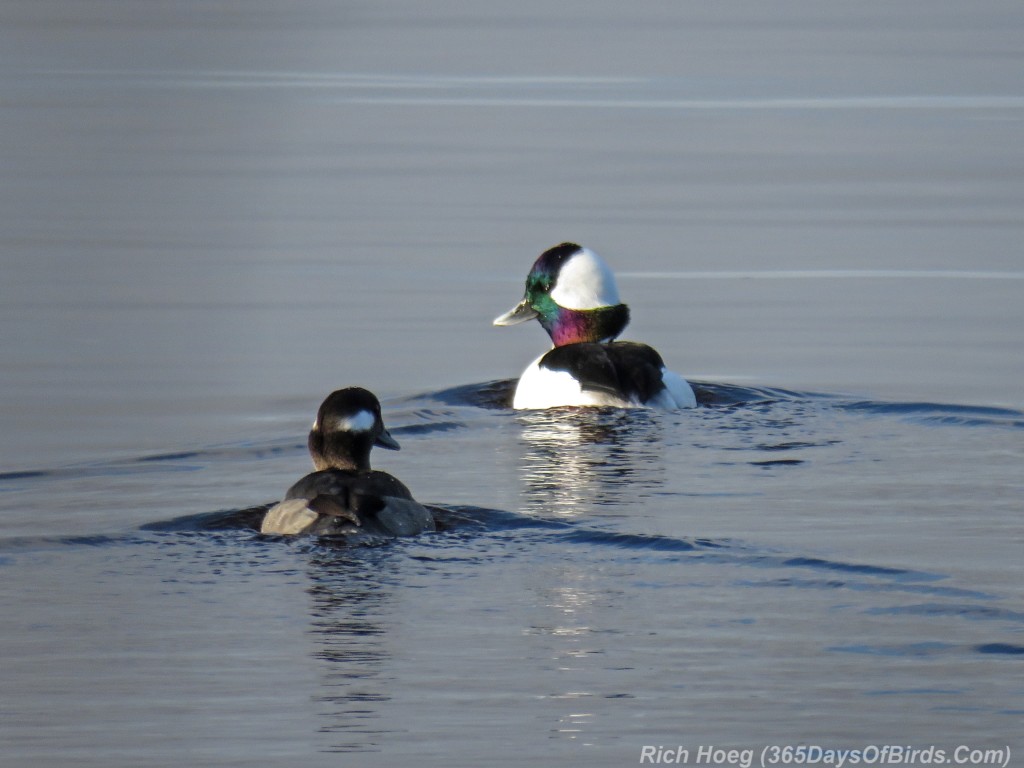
column 585, row 282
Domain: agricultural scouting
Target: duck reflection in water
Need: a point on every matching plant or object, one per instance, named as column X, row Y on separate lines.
column 579, row 461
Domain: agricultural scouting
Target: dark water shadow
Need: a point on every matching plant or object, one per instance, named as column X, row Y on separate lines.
column 939, row 414
column 762, row 404
column 498, row 393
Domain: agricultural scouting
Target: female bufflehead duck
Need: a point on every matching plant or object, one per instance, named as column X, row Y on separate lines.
column 572, row 292
column 344, row 497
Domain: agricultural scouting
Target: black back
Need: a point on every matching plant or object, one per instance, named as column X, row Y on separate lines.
column 625, row 369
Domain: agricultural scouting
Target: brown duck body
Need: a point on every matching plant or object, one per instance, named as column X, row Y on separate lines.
column 344, row 497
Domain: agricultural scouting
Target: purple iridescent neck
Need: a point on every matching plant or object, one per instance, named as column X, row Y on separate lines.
column 572, row 326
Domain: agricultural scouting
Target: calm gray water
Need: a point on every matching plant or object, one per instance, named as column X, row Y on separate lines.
column 212, row 215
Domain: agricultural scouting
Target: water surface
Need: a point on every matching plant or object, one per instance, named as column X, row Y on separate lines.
column 212, row 217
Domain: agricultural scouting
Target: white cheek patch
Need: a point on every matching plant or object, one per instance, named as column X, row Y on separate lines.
column 585, row 282
column 361, row 421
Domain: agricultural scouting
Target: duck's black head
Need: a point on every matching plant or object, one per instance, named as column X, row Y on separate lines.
column 347, row 427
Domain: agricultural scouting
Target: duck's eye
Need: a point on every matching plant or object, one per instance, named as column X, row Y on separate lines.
column 539, row 285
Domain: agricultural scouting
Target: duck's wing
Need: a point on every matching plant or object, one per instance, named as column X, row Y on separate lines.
column 319, row 502
column 624, row 369
column 335, row 502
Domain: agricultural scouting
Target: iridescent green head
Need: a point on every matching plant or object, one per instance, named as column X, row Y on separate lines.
column 572, row 293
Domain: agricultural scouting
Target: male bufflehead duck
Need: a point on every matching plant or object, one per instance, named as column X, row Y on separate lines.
column 572, row 292
column 344, row 497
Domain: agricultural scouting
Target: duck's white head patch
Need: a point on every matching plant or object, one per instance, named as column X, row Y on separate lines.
column 585, row 282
